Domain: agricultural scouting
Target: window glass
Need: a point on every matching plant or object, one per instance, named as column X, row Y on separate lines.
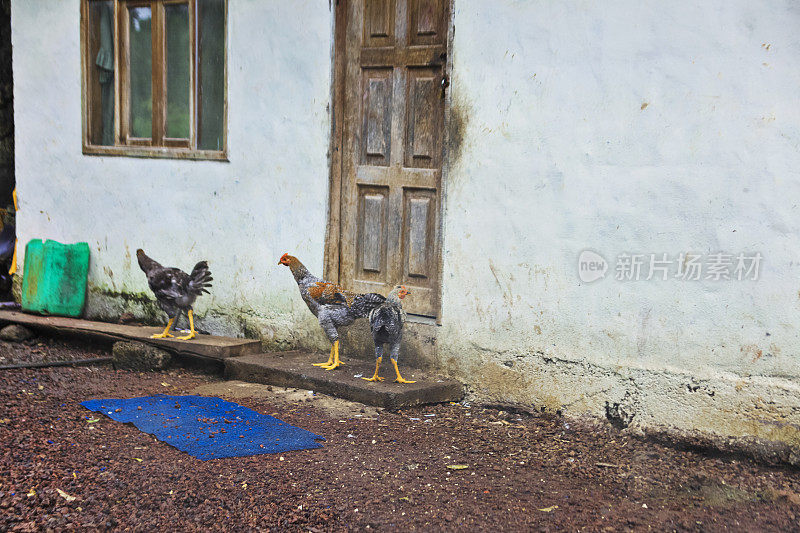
column 178, row 67
column 101, row 73
column 141, row 72
column 211, row 17
column 166, row 59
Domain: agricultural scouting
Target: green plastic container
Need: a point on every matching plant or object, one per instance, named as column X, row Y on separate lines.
column 54, row 280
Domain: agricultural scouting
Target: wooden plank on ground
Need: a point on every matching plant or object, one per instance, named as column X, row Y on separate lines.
column 203, row 346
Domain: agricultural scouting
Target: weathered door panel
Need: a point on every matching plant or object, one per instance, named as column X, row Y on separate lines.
column 394, row 57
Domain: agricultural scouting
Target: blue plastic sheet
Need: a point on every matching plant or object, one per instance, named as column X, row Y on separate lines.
column 207, row 428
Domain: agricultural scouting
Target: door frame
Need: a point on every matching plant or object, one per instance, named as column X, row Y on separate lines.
column 331, row 262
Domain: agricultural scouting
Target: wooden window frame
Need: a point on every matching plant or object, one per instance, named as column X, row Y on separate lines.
column 158, row 145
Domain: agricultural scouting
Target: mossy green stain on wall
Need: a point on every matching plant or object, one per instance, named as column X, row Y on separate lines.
column 142, row 305
column 138, row 297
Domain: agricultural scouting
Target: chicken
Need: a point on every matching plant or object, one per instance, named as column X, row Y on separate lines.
column 386, row 322
column 175, row 290
column 333, row 305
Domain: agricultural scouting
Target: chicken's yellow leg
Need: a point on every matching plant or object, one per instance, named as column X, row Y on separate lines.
column 192, row 334
column 336, row 362
column 329, row 362
column 376, row 377
column 399, row 377
column 164, row 333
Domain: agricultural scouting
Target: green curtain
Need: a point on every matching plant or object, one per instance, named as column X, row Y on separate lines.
column 105, row 65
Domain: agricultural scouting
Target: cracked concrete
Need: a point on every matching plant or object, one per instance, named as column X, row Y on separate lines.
column 754, row 415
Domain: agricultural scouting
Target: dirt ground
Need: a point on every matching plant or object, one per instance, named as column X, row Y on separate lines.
column 445, row 467
column 39, row 349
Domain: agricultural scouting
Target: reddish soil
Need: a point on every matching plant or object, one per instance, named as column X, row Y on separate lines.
column 41, row 349
column 387, row 472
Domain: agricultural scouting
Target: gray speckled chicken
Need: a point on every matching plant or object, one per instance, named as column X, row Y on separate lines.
column 175, row 290
column 386, row 322
column 333, row 305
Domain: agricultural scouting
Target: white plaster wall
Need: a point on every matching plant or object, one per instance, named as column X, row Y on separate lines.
column 241, row 216
column 560, row 154
column 557, row 153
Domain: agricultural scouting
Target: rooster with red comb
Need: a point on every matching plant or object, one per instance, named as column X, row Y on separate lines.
column 333, row 305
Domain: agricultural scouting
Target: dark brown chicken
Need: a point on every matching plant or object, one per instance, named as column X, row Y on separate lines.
column 175, row 290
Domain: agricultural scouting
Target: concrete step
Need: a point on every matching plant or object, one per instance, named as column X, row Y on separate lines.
column 295, row 369
column 205, row 347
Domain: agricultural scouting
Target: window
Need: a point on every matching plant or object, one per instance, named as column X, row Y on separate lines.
column 154, row 78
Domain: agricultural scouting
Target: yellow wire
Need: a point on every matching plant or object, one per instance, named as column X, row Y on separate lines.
column 14, row 257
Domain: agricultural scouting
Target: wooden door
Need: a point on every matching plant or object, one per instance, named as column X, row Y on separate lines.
column 395, row 53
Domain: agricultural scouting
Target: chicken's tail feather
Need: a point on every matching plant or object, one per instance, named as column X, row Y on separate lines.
column 364, row 303
column 380, row 317
column 200, row 278
column 385, row 317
